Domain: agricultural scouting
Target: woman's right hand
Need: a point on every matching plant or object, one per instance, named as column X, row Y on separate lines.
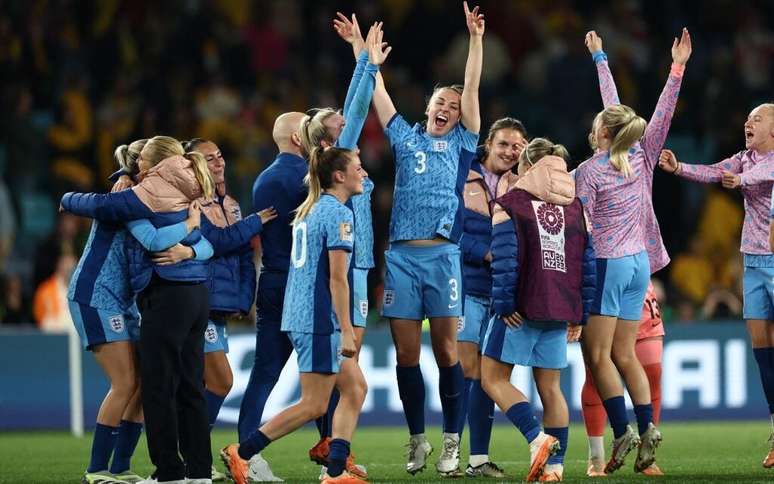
column 681, row 50
column 377, row 50
column 123, row 182
column 194, row 219
column 349, row 30
column 667, row 161
column 593, row 42
column 267, row 214
column 348, row 347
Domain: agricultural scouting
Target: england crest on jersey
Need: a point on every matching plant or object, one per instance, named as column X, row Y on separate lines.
column 116, row 323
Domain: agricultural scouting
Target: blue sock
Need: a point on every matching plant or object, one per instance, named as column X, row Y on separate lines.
column 411, row 387
column 765, row 359
column 337, row 458
column 102, row 447
column 521, row 415
column 465, row 404
column 616, row 413
column 644, row 414
column 325, row 423
column 128, row 436
column 214, row 402
column 450, row 385
column 480, row 418
column 255, row 443
column 561, row 434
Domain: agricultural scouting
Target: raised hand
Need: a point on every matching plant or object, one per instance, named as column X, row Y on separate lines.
column 681, row 50
column 349, row 30
column 377, row 50
column 667, row 161
column 593, row 42
column 474, row 20
column 267, row 214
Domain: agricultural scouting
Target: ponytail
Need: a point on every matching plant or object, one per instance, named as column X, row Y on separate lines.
column 625, row 128
column 312, row 130
column 322, row 163
column 539, row 148
column 128, row 156
column 201, row 172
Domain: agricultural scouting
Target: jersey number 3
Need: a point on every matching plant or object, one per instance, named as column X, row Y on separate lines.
column 421, row 162
column 298, row 252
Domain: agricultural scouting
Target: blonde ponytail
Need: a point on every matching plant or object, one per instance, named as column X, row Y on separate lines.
column 539, row 148
column 201, row 172
column 323, row 162
column 128, row 156
column 312, row 130
column 625, row 129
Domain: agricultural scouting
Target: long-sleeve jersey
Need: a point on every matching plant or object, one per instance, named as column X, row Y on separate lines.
column 621, row 208
column 756, row 171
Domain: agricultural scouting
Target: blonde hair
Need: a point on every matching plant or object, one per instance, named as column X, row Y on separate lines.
column 128, row 156
column 625, row 128
column 322, row 163
column 542, row 147
column 161, row 147
column 312, row 130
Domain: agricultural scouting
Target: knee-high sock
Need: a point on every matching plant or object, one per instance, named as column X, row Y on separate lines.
column 765, row 359
column 594, row 414
column 128, row 436
column 450, row 385
column 480, row 419
column 465, row 404
column 411, row 387
column 325, row 423
column 562, row 435
column 616, row 413
column 214, row 402
column 654, row 378
column 522, row 416
column 102, row 447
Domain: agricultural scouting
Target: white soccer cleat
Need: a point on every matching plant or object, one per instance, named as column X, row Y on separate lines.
column 621, row 448
column 418, row 451
column 198, row 481
column 258, row 470
column 218, row 476
column 448, row 464
column 646, row 454
column 487, row 469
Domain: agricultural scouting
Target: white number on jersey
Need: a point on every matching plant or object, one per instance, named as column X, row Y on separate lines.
column 298, row 252
column 421, row 162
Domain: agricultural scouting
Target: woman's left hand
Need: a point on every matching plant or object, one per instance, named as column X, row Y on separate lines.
column 173, row 255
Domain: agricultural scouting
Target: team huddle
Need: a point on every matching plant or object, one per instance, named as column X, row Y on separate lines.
column 508, row 255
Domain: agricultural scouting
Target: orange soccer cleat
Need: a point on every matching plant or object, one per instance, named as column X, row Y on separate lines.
column 596, row 469
column 354, row 469
column 541, row 449
column 237, row 467
column 343, row 478
column 652, row 471
column 768, row 461
column 319, row 453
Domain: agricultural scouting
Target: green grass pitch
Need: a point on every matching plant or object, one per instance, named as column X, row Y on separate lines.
column 691, row 452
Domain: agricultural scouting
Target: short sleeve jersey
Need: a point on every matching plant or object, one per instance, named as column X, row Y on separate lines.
column 308, row 306
column 430, row 175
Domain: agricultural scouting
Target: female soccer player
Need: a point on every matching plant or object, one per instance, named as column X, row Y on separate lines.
column 316, row 316
column 649, row 349
column 543, row 277
column 751, row 170
column 615, row 186
column 423, row 263
column 329, row 128
column 102, row 305
column 500, row 153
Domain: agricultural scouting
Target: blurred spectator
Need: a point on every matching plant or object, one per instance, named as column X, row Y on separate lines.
column 7, row 224
column 14, row 308
column 49, row 305
column 66, row 238
column 692, row 273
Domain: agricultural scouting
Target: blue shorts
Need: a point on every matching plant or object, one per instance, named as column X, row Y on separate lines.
column 215, row 337
column 621, row 286
column 359, row 297
column 99, row 326
column 472, row 326
column 758, row 286
column 422, row 282
column 534, row 344
column 316, row 353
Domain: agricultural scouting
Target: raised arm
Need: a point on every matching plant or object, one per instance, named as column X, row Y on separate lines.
column 658, row 126
column 606, row 82
column 471, row 115
column 700, row 173
column 349, row 31
column 505, row 263
column 382, row 102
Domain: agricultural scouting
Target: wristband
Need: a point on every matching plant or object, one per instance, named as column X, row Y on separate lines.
column 677, row 70
column 599, row 56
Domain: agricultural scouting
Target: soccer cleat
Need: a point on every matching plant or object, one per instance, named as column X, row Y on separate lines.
column 768, row 461
column 259, row 470
column 646, row 454
column 198, row 481
column 319, row 453
column 652, row 471
column 487, row 469
column 418, row 451
column 621, row 448
column 101, row 477
column 343, row 478
column 540, row 449
column 237, row 467
column 552, row 473
column 596, row 468
column 218, row 476
column 448, row 464
column 356, row 469
column 129, row 476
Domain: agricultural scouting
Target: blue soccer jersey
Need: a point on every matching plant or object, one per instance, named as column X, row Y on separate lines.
column 430, row 173
column 308, row 307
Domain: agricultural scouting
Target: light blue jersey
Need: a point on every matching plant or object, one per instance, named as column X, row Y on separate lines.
column 308, row 307
column 430, row 173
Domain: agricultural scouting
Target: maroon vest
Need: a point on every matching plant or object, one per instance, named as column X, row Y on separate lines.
column 552, row 239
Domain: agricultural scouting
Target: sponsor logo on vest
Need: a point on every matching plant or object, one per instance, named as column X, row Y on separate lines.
column 116, row 323
column 550, row 220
